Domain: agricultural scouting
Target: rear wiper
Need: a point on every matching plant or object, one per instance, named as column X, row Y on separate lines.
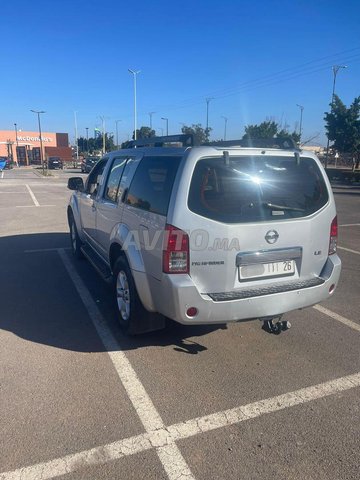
column 274, row 206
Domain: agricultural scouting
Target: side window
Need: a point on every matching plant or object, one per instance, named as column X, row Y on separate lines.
column 113, row 180
column 152, row 184
column 93, row 180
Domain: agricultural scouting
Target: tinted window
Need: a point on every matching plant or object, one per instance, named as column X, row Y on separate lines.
column 152, row 183
column 112, row 185
column 93, row 180
column 260, row 188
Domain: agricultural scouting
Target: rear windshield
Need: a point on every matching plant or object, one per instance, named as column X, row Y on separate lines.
column 258, row 188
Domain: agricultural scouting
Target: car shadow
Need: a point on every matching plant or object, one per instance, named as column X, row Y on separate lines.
column 39, row 301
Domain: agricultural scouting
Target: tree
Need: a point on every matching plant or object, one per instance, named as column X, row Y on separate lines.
column 269, row 129
column 201, row 135
column 95, row 144
column 263, row 130
column 144, row 132
column 343, row 127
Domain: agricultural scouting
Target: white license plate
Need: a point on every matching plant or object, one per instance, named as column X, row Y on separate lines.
column 263, row 270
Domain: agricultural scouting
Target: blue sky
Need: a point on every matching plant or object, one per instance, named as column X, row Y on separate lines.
column 257, row 59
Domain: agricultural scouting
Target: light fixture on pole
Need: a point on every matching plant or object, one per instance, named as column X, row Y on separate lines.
column 135, row 73
column 39, row 112
column 301, row 116
column 225, row 118
column 117, row 133
column 335, row 69
column 208, row 100
column 167, row 125
column 150, row 115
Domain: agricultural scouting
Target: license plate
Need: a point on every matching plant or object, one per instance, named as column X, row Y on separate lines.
column 263, row 270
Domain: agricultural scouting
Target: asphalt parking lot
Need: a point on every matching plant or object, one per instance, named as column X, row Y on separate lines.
column 81, row 401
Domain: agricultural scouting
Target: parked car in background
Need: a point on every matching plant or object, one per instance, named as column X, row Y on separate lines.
column 54, row 162
column 88, row 163
column 5, row 163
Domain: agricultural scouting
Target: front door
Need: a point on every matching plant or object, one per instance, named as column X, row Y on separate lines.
column 88, row 201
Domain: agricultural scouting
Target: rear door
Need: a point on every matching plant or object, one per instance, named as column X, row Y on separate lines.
column 256, row 220
column 108, row 209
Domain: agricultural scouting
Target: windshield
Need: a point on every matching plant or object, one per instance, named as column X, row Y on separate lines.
column 257, row 188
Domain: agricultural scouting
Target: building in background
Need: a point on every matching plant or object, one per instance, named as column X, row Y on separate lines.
column 25, row 146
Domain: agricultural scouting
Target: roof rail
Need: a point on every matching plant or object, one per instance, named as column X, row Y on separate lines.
column 186, row 140
column 282, row 143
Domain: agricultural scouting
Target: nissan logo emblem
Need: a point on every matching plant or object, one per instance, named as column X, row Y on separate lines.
column 271, row 236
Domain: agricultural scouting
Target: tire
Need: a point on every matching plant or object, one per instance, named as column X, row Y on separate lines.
column 75, row 239
column 130, row 311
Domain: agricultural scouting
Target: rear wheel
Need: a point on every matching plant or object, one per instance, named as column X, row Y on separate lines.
column 75, row 239
column 131, row 313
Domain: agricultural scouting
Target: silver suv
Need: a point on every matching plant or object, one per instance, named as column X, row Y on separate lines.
column 208, row 234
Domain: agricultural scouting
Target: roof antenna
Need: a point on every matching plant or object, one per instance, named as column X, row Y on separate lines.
column 226, row 157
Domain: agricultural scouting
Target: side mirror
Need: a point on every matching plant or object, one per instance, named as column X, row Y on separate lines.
column 76, row 183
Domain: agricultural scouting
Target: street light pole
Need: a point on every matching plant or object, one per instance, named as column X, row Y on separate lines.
column 117, row 133
column 301, row 116
column 76, row 139
column 134, row 72
column 17, row 144
column 87, row 140
column 207, row 113
column 335, row 69
column 103, row 135
column 38, row 112
column 167, row 125
column 225, row 118
column 150, row 115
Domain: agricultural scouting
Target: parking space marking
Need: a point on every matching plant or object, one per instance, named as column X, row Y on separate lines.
column 32, row 206
column 171, row 458
column 163, row 439
column 41, row 250
column 350, row 225
column 349, row 250
column 336, row 316
column 37, row 204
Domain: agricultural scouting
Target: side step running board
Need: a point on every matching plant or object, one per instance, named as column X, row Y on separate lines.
column 97, row 262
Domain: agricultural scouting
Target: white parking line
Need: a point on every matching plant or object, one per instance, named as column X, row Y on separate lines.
column 350, row 225
column 349, row 250
column 171, row 458
column 336, row 316
column 32, row 206
column 41, row 250
column 37, row 204
column 163, row 439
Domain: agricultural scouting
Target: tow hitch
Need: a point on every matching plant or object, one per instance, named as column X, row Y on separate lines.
column 275, row 325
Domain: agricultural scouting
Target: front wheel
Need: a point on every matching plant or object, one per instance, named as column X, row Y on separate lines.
column 131, row 313
column 75, row 239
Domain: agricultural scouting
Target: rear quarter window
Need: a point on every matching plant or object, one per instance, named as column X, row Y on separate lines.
column 258, row 188
column 152, row 184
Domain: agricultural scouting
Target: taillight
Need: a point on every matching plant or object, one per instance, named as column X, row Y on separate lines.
column 176, row 251
column 333, row 236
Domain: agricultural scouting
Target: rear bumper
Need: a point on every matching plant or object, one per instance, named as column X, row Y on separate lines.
column 175, row 294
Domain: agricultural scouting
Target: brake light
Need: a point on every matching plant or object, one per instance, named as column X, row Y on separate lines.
column 176, row 250
column 333, row 236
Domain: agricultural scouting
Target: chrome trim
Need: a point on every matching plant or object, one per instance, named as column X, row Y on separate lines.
column 268, row 256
